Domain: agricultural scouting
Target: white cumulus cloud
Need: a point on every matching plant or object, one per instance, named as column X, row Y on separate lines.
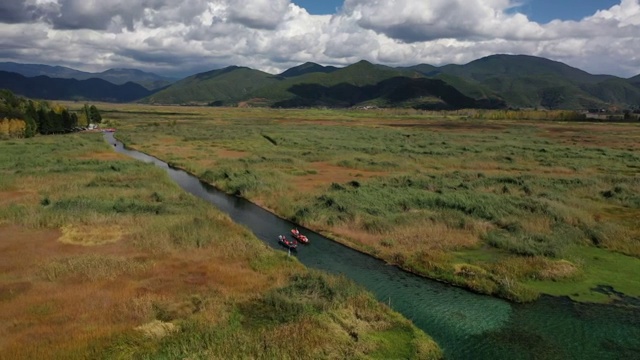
column 186, row 36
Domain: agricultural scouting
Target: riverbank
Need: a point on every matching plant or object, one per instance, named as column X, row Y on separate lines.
column 504, row 208
column 597, row 258
column 466, row 325
column 103, row 255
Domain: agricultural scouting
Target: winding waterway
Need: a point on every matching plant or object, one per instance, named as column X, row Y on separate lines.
column 465, row 325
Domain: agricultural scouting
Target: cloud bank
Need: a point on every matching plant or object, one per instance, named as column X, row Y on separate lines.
column 187, row 36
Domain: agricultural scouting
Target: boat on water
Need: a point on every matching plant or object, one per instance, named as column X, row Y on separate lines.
column 289, row 244
column 298, row 236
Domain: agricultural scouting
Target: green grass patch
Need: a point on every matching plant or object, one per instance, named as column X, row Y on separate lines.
column 600, row 267
column 388, row 344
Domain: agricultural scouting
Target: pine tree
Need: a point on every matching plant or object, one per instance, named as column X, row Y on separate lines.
column 31, row 118
column 85, row 110
column 44, row 124
column 67, row 125
column 94, row 114
column 74, row 120
column 31, row 129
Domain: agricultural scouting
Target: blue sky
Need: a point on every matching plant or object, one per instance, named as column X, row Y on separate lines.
column 541, row 11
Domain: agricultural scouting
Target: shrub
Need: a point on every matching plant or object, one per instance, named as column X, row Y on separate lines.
column 525, row 244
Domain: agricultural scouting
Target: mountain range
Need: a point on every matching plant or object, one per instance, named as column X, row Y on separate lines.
column 150, row 81
column 44, row 87
column 496, row 81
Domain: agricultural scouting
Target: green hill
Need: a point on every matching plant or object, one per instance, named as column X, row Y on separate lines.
column 367, row 84
column 540, row 91
column 357, row 75
column 223, row 87
column 425, row 69
column 467, row 87
column 518, row 66
column 635, row 81
column 492, row 82
column 366, row 73
column 399, row 91
column 307, row 68
column 615, row 91
column 529, row 81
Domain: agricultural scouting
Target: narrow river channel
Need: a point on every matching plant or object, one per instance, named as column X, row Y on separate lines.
column 465, row 325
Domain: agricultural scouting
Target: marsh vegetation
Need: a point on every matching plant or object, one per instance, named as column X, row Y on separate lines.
column 104, row 257
column 504, row 207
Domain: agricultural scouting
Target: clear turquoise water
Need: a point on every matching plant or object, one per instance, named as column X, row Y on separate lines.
column 465, row 325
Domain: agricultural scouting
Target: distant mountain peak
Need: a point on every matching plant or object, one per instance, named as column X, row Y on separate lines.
column 124, row 70
column 307, row 68
column 364, row 62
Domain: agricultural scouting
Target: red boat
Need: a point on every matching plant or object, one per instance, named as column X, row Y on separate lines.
column 296, row 235
column 290, row 244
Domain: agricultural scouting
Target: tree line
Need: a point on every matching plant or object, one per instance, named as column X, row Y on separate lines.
column 20, row 117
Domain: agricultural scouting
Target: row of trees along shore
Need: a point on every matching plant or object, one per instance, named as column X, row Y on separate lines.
column 20, row 117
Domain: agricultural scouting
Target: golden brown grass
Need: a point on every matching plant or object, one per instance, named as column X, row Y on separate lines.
column 90, row 235
column 8, row 197
column 614, row 136
column 421, row 235
column 322, row 174
column 77, row 276
column 538, row 268
column 157, row 329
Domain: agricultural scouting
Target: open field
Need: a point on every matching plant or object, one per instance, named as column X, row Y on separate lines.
column 503, row 207
column 102, row 256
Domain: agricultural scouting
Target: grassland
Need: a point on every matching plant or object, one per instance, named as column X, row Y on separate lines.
column 509, row 208
column 102, row 256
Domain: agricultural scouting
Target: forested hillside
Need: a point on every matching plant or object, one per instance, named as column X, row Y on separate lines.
column 535, row 82
column 493, row 82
